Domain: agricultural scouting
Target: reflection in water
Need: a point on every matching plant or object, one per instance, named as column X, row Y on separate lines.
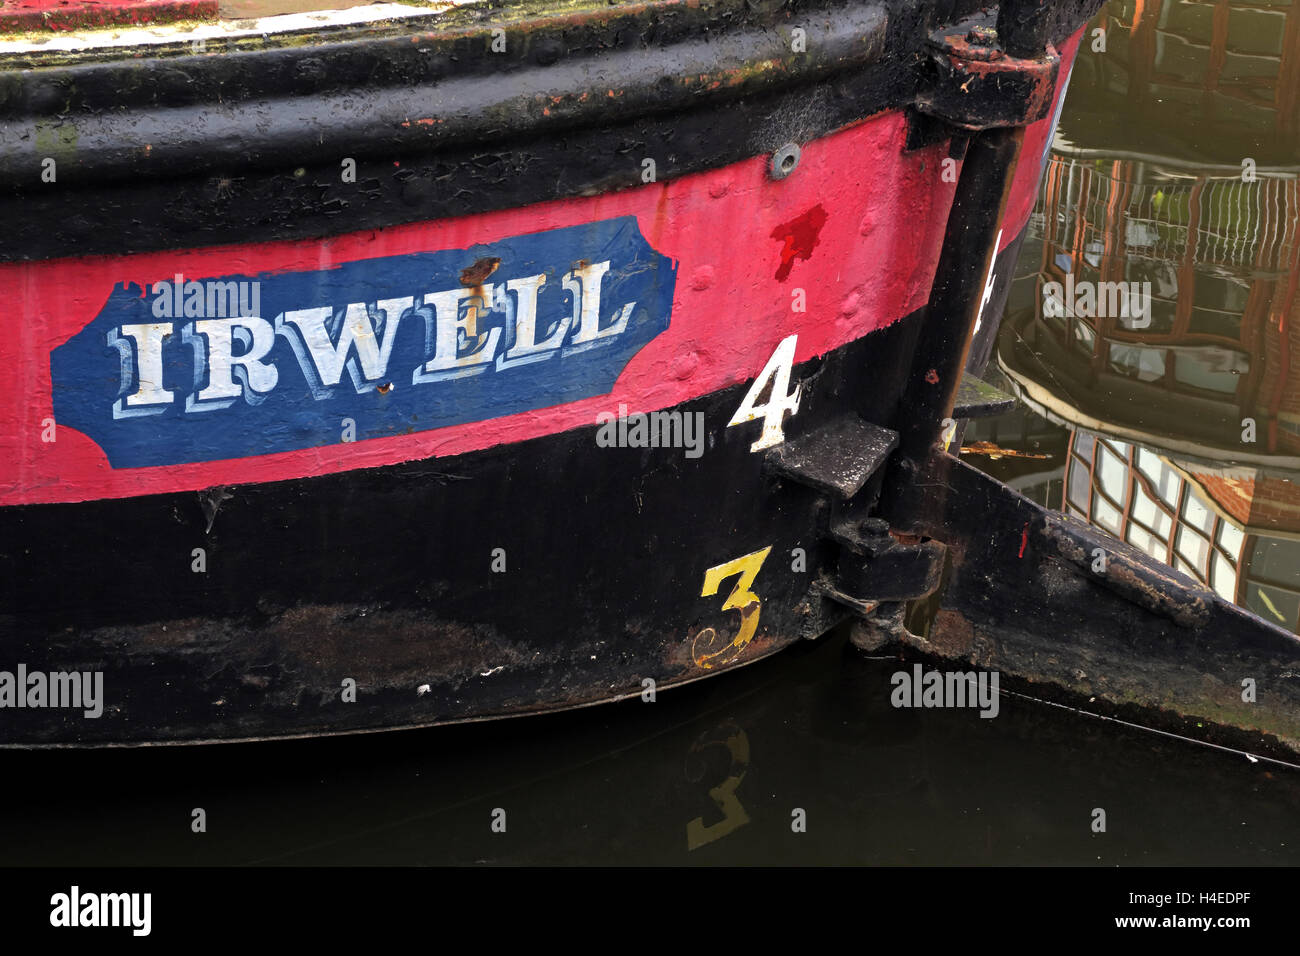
column 733, row 742
column 1218, row 345
column 1196, row 79
column 1175, row 168
column 810, row 729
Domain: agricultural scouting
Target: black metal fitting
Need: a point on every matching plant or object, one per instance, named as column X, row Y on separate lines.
column 979, row 84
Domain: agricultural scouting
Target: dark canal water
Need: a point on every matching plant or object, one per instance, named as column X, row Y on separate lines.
column 708, row 774
column 1136, row 430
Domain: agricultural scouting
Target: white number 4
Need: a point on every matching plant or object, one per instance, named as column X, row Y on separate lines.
column 779, row 402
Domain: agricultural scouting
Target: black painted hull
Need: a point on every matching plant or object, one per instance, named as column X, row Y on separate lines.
column 385, row 577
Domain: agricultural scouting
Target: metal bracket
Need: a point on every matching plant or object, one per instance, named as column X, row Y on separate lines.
column 878, row 565
column 875, row 568
column 836, row 459
column 874, row 565
column 977, row 85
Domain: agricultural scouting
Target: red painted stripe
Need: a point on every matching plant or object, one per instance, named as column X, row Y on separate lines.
column 873, row 262
column 1029, row 170
column 23, row 15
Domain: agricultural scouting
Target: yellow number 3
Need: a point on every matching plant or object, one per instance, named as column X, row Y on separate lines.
column 704, row 649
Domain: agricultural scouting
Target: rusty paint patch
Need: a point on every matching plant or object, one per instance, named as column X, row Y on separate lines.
column 475, row 275
column 952, row 636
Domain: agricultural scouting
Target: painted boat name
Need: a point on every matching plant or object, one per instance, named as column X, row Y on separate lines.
column 357, row 338
column 284, row 358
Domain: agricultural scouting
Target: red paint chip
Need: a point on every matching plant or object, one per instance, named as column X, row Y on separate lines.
column 800, row 236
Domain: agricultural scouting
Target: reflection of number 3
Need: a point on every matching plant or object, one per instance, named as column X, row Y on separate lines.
column 705, row 649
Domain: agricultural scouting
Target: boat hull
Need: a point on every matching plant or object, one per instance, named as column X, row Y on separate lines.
column 538, row 575
column 245, row 526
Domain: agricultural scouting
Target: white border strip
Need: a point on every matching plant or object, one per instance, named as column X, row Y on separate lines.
column 128, row 36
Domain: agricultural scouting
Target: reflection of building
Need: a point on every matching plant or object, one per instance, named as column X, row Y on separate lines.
column 1264, row 503
column 1212, row 83
column 1230, row 65
column 1220, row 257
column 1147, row 501
column 1222, row 346
column 1184, row 422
